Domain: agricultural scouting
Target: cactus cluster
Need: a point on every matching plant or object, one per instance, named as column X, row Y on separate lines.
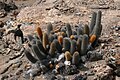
column 73, row 43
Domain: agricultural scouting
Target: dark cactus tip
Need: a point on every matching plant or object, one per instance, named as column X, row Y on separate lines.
column 69, row 30
column 79, row 31
column 93, row 21
column 49, row 28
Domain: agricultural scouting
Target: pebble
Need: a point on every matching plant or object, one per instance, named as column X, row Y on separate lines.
column 67, row 63
column 117, row 45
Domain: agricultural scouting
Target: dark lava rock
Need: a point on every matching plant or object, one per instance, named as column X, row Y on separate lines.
column 80, row 77
column 2, row 5
column 71, row 69
column 117, row 72
column 94, row 56
column 10, row 6
column 2, row 14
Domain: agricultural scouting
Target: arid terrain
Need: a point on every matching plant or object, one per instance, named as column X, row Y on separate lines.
column 38, row 13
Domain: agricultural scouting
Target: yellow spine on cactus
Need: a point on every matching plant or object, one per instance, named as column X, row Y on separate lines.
column 60, row 39
column 39, row 32
column 92, row 38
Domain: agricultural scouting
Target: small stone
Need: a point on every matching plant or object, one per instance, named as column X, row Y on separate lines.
column 4, row 77
column 27, row 66
column 67, row 63
column 94, row 56
column 71, row 69
column 117, row 72
column 117, row 45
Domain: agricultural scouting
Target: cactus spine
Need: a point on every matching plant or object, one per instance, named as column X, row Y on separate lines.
column 68, row 56
column 84, row 44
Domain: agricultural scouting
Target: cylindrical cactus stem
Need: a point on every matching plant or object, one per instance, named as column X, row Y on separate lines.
column 58, row 46
column 93, row 21
column 66, row 44
column 45, row 40
column 76, row 58
column 39, row 32
column 55, row 36
column 79, row 31
column 40, row 46
column 30, row 38
column 33, row 41
column 86, row 29
column 69, row 30
column 73, row 46
column 39, row 54
column 68, row 56
column 49, row 28
column 74, row 32
column 98, row 27
column 84, row 44
column 60, row 39
column 30, row 57
column 99, row 33
column 51, row 38
column 79, row 42
column 52, row 49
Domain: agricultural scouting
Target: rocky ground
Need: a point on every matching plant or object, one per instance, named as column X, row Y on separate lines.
column 31, row 14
